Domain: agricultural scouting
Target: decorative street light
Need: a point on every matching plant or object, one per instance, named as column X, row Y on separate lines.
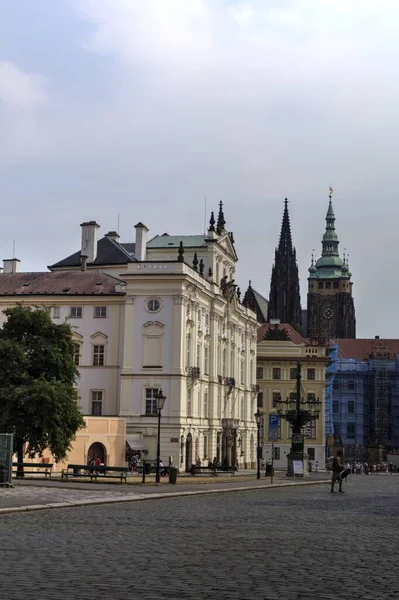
column 160, row 403
column 298, row 412
column 258, row 418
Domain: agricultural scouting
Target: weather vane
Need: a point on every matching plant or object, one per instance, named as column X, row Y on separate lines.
column 331, row 191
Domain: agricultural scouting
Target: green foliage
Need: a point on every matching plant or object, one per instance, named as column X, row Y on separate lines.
column 37, row 376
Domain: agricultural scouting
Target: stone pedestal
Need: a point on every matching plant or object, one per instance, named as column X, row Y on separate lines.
column 375, row 453
column 297, row 456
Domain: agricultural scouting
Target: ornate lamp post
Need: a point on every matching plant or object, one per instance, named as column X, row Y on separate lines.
column 258, row 418
column 160, row 402
column 298, row 412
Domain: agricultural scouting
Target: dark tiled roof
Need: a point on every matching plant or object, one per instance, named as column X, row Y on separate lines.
column 294, row 336
column 173, row 241
column 109, row 252
column 58, row 283
column 257, row 303
column 130, row 247
column 363, row 348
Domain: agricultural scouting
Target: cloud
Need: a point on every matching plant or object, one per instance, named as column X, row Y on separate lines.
column 19, row 90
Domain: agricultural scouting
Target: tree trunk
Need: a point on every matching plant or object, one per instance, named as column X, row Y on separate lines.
column 20, row 459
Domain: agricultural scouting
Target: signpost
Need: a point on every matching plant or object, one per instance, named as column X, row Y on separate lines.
column 298, row 467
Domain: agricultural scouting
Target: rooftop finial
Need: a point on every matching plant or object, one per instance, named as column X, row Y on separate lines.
column 195, row 262
column 180, row 252
column 221, row 220
column 250, row 283
column 285, row 243
column 201, row 267
column 330, row 192
column 212, row 222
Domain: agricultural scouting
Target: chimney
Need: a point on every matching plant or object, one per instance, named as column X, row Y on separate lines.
column 112, row 235
column 141, row 242
column 89, row 240
column 11, row 265
column 83, row 262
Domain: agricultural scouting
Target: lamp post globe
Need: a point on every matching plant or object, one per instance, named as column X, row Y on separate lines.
column 160, row 403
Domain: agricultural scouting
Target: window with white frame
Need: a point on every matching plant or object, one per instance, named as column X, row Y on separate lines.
column 56, row 312
column 206, row 404
column 76, row 355
column 198, row 356
column 76, row 312
column 242, row 372
column 206, row 360
column 188, row 350
column 100, row 312
column 219, row 403
column 98, row 355
column 224, row 361
column 259, row 372
column 189, row 403
column 150, row 401
column 97, row 397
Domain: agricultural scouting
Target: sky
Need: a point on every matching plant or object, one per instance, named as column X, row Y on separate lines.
column 144, row 108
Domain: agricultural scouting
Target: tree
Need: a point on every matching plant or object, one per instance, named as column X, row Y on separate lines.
column 37, row 376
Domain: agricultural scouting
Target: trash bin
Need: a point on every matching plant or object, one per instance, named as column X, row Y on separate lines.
column 172, row 475
column 147, row 468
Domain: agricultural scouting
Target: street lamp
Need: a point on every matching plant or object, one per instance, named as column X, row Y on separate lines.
column 258, row 419
column 298, row 412
column 160, row 403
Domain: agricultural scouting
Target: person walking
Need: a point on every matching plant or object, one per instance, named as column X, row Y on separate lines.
column 337, row 469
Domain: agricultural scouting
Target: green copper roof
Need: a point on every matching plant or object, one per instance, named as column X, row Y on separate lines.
column 330, row 265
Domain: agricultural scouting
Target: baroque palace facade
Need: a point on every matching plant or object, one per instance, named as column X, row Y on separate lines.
column 159, row 313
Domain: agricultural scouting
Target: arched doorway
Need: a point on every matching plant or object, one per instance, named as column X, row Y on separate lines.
column 97, row 450
column 189, row 452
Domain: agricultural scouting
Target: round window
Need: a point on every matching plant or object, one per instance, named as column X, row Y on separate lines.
column 153, row 305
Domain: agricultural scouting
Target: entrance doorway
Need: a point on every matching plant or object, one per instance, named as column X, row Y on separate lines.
column 189, row 452
column 97, row 450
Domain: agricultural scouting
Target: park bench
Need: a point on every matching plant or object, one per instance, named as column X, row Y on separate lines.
column 40, row 468
column 152, row 466
column 94, row 472
column 212, row 470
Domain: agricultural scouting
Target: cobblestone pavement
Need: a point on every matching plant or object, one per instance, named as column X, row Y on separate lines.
column 299, row 543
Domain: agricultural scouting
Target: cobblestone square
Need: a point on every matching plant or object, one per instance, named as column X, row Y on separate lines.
column 291, row 543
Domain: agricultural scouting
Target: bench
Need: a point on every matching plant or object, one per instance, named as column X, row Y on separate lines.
column 212, row 470
column 153, row 469
column 46, row 467
column 94, row 472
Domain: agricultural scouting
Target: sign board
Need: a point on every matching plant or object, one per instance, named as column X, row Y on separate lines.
column 273, row 435
column 298, row 467
column 274, row 421
column 174, row 440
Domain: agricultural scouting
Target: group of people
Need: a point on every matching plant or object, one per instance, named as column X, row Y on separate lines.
column 364, row 468
column 94, row 464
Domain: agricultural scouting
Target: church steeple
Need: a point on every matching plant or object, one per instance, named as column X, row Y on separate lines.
column 285, row 300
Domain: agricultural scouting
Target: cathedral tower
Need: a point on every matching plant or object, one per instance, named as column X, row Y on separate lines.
column 331, row 310
column 285, row 300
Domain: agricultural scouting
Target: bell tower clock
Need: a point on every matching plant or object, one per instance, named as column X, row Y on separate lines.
column 331, row 310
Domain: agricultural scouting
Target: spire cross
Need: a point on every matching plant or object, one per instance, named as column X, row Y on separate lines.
column 331, row 191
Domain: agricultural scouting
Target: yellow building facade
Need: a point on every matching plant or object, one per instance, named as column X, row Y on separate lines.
column 279, row 350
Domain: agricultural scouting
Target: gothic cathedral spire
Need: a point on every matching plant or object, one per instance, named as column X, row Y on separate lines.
column 285, row 300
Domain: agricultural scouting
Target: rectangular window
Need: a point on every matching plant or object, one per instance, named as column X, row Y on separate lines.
column 219, row 403
column 350, row 431
column 351, row 384
column 293, row 373
column 206, row 360
column 100, row 312
column 189, row 404
column 351, row 406
column 76, row 312
column 150, row 401
column 260, row 400
column 224, row 362
column 232, row 364
column 242, row 373
column 56, row 312
column 259, row 372
column 311, row 429
column 275, row 432
column 321, row 285
column 77, row 355
column 276, row 453
column 206, row 405
column 188, row 350
column 98, row 355
column 336, row 285
column 335, row 407
column 311, row 374
column 276, row 373
column 276, row 397
column 198, row 356
column 328, row 285
column 337, row 428
column 311, row 453
column 335, row 385
column 311, row 396
column 97, row 403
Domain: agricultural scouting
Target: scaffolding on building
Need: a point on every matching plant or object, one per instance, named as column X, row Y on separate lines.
column 379, row 392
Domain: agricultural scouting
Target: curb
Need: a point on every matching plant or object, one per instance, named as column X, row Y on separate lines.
column 141, row 497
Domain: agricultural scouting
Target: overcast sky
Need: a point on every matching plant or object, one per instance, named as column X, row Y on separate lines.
column 146, row 107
